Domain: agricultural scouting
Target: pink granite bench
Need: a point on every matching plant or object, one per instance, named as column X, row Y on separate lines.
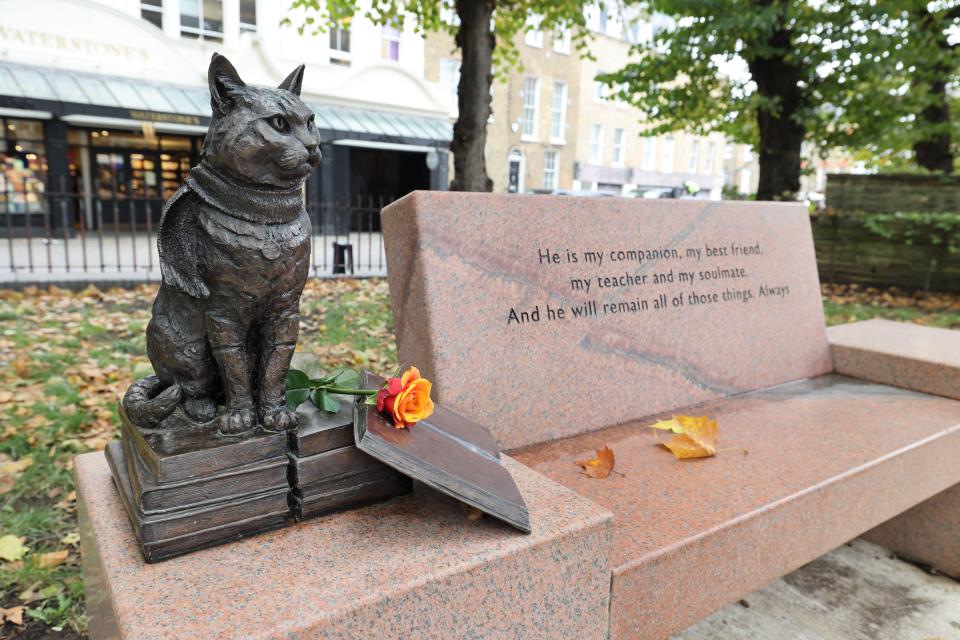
column 834, row 451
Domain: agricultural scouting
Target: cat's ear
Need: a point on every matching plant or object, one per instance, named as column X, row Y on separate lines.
column 294, row 81
column 224, row 83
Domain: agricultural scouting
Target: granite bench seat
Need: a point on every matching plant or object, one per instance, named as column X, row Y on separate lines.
column 828, row 459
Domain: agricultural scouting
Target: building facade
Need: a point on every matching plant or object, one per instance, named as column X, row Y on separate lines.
column 104, row 104
column 554, row 127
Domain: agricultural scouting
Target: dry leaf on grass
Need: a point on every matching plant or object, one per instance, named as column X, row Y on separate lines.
column 694, row 436
column 600, row 466
column 53, row 558
column 13, row 615
column 11, row 548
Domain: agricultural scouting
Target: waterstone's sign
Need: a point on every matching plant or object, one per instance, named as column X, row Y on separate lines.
column 542, row 316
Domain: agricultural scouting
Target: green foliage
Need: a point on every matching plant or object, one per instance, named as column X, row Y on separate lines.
column 319, row 389
column 915, row 227
column 510, row 18
column 700, row 75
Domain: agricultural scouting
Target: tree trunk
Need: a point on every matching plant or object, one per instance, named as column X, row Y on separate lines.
column 933, row 150
column 780, row 135
column 476, row 42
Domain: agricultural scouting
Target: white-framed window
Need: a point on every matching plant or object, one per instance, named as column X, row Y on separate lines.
column 728, row 151
column 596, row 143
column 558, row 113
column 340, row 44
column 531, row 105
column 248, row 16
column 649, row 162
column 600, row 90
column 694, row 165
column 549, row 169
column 618, row 151
column 202, row 20
column 747, row 153
column 389, row 43
column 152, row 12
column 711, row 154
column 669, row 154
column 533, row 38
column 450, row 80
column 562, row 41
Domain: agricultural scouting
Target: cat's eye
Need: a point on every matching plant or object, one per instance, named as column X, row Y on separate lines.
column 279, row 123
column 311, row 124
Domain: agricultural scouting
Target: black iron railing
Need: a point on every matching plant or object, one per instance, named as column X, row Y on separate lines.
column 111, row 236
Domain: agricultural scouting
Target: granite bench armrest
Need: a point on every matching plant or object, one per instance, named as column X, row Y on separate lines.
column 900, row 354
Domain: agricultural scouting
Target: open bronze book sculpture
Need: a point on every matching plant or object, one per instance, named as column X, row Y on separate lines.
column 210, row 450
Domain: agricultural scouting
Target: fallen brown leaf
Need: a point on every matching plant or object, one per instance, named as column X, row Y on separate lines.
column 13, row 615
column 53, row 558
column 600, row 466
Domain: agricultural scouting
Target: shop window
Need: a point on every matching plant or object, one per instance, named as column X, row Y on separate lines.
column 202, row 20
column 248, row 16
column 152, row 12
column 23, row 167
column 390, row 43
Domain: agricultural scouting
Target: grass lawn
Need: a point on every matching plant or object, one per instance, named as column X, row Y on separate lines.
column 65, row 357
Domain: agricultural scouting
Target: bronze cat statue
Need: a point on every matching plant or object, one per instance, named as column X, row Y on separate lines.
column 234, row 246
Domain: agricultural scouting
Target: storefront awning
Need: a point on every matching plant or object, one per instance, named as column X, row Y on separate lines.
column 79, row 97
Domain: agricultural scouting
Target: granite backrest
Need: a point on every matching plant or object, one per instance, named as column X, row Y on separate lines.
column 548, row 316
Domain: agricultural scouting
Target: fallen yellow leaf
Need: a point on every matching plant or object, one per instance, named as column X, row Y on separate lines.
column 600, row 466
column 72, row 539
column 53, row 558
column 695, row 436
column 11, row 548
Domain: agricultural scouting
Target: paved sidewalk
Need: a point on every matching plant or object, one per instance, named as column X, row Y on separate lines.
column 856, row 592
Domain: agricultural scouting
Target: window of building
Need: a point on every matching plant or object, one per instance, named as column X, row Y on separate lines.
column 549, row 169
column 604, row 18
column 531, row 103
column 23, row 167
column 248, row 16
column 202, row 20
column 618, row 153
column 450, row 80
column 728, row 151
column 649, row 162
column 152, row 12
column 747, row 154
column 669, row 154
column 694, row 165
column 600, row 89
column 596, row 143
column 390, row 43
column 558, row 113
column 340, row 45
column 711, row 153
column 562, row 41
column 533, row 38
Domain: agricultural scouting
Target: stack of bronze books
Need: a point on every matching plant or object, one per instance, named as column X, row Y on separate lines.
column 328, row 472
column 186, row 488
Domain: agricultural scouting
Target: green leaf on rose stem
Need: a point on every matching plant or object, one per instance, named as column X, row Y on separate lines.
column 346, row 378
column 307, row 362
column 296, row 397
column 297, row 379
column 370, row 400
column 325, row 402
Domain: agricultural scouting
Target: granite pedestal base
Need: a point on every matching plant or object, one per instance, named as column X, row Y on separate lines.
column 416, row 567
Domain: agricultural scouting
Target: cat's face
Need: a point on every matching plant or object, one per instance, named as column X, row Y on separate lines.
column 260, row 135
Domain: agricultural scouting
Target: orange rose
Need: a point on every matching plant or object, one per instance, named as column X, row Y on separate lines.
column 406, row 399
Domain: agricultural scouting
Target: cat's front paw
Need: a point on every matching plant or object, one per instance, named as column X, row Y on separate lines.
column 234, row 421
column 278, row 418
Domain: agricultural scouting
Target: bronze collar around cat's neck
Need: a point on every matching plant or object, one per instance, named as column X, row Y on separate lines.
column 260, row 205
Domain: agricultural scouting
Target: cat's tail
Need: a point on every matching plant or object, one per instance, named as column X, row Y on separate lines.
column 147, row 402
